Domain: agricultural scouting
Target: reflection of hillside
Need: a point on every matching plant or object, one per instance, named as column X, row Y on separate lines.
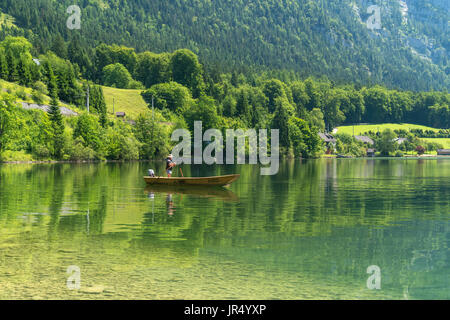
column 314, row 217
column 345, row 254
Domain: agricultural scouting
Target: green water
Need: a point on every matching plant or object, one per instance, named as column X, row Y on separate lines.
column 309, row 232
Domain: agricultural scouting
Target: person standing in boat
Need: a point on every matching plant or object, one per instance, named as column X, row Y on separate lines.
column 169, row 165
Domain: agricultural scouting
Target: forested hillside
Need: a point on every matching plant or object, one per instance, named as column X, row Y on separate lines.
column 182, row 94
column 301, row 67
column 293, row 39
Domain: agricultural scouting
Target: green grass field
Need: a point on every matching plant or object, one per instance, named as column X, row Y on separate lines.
column 359, row 129
column 444, row 141
column 125, row 100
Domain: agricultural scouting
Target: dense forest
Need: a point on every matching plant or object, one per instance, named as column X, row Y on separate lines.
column 294, row 39
column 301, row 97
column 183, row 93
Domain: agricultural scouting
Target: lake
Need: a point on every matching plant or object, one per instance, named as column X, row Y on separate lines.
column 309, row 232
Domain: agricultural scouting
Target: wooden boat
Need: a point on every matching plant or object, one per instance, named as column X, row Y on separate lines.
column 217, row 181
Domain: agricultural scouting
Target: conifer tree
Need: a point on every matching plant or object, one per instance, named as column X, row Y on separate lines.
column 101, row 107
column 59, row 47
column 57, row 130
column 23, row 71
column 98, row 103
column 4, row 73
column 280, row 122
column 12, row 67
column 52, row 84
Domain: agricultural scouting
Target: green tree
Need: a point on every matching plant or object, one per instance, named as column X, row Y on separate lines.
column 172, row 96
column 385, row 143
column 315, row 118
column 229, row 106
column 204, row 110
column 116, row 75
column 153, row 137
column 4, row 72
column 376, row 100
column 58, row 140
column 78, row 54
column 243, row 105
column 333, row 115
column 300, row 98
column 101, row 106
column 69, row 89
column 106, row 55
column 12, row 67
column 281, row 121
column 7, row 122
column 17, row 46
column 153, row 68
column 187, row 71
column 23, row 71
column 120, row 142
column 88, row 128
column 439, row 116
column 52, row 84
column 305, row 140
column 59, row 47
column 273, row 89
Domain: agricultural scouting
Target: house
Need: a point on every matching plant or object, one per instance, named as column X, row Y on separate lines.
column 400, row 140
column 120, row 114
column 330, row 142
column 443, row 152
column 328, row 138
column 365, row 139
column 371, row 152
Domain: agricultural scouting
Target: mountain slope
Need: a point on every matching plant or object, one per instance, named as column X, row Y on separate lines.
column 410, row 51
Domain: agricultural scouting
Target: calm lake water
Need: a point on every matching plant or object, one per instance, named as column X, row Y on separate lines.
column 309, row 232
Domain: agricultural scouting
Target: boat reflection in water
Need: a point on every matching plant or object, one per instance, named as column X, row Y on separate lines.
column 218, row 193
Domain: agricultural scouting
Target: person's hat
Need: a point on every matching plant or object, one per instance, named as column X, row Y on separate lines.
column 170, row 156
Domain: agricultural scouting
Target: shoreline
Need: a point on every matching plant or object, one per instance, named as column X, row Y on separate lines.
column 427, row 157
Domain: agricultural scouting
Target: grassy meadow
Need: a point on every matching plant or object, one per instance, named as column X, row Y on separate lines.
column 360, row 129
column 125, row 100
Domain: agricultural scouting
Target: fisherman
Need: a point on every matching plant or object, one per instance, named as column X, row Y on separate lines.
column 169, row 165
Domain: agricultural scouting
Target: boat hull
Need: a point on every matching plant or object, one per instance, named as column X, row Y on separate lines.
column 217, row 181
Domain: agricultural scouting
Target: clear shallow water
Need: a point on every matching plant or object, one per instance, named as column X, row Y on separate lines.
column 309, row 232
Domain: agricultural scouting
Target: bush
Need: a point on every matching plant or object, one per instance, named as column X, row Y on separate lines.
column 21, row 155
column 79, row 152
column 37, row 97
column 21, row 94
column 121, row 144
column 347, row 145
column 399, row 153
column 40, row 87
column 420, row 150
column 135, row 85
column 433, row 146
column 41, row 152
